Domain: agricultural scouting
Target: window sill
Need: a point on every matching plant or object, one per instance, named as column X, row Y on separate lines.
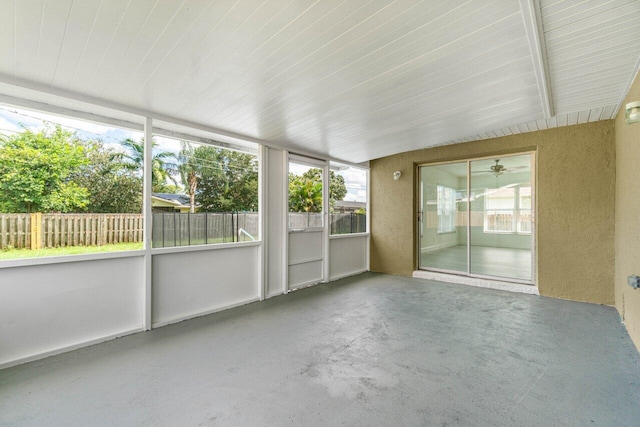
column 347, row 235
column 197, row 248
column 515, row 233
column 28, row 262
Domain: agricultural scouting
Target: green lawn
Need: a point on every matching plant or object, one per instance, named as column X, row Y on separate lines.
column 72, row 250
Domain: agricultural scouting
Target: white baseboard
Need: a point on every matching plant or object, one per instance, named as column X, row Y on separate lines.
column 202, row 313
column 76, row 346
column 274, row 294
column 345, row 275
column 437, row 247
column 477, row 282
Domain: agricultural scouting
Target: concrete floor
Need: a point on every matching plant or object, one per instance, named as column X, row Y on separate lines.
column 367, row 350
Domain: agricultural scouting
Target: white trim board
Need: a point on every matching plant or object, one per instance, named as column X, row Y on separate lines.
column 345, row 275
column 33, row 357
column 203, row 313
column 477, row 282
column 437, row 247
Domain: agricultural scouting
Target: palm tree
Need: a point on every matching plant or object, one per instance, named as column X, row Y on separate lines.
column 188, row 172
column 162, row 166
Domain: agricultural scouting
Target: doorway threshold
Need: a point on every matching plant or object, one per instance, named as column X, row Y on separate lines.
column 477, row 282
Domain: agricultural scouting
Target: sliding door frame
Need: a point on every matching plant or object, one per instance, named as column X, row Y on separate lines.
column 534, row 229
column 323, row 165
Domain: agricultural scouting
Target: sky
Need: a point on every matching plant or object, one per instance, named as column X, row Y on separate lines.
column 14, row 120
column 355, row 180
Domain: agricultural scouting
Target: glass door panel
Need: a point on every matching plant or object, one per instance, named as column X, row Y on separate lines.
column 307, row 227
column 442, row 217
column 501, row 217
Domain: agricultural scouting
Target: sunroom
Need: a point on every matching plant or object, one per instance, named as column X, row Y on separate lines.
column 319, row 212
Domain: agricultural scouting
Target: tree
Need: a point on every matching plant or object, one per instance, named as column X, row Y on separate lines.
column 36, row 170
column 337, row 187
column 305, row 192
column 163, row 168
column 219, row 180
column 190, row 171
column 113, row 186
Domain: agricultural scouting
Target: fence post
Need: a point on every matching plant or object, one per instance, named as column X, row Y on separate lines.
column 36, row 230
column 3, row 230
column 233, row 229
column 103, row 231
column 175, row 227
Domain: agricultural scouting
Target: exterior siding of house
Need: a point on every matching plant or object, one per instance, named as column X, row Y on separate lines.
column 575, row 206
column 627, row 237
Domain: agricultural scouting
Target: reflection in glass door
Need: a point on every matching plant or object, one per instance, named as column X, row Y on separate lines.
column 501, row 217
column 442, row 227
column 476, row 217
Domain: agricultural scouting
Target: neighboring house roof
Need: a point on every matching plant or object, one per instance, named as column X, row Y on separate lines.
column 345, row 204
column 178, row 202
column 181, row 199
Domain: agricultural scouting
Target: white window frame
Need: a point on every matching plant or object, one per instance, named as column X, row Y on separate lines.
column 367, row 215
column 446, row 212
column 149, row 127
column 516, row 211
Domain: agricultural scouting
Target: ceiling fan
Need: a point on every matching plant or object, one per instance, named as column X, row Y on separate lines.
column 498, row 169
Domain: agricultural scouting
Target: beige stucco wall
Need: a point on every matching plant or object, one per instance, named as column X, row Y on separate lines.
column 575, row 207
column 627, row 238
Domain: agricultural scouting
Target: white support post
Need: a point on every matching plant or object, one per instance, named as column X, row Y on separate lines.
column 368, row 222
column 535, row 36
column 285, row 218
column 147, row 192
column 263, row 208
column 326, row 209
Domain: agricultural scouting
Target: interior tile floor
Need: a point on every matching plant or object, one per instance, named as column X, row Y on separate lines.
column 509, row 263
column 368, row 350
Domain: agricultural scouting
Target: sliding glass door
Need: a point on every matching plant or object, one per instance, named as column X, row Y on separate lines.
column 442, row 225
column 476, row 217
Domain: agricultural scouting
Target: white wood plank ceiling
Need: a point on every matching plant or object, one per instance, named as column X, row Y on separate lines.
column 354, row 80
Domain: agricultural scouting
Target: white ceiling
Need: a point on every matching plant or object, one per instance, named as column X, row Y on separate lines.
column 354, row 80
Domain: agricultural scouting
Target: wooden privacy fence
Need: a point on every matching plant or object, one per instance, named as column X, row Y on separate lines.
column 15, row 231
column 347, row 223
column 37, row 230
column 184, row 229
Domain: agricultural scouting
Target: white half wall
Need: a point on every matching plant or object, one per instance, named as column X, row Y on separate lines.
column 348, row 255
column 194, row 283
column 50, row 308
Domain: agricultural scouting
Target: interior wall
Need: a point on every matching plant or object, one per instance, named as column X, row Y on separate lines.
column 575, row 206
column 191, row 284
column 627, row 217
column 49, row 308
column 347, row 255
